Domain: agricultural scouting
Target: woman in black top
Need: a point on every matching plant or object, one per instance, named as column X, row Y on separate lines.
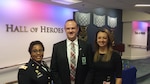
column 107, row 64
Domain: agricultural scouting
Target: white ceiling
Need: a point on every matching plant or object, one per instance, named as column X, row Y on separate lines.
column 87, row 5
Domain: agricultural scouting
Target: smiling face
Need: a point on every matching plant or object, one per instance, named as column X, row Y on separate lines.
column 71, row 29
column 102, row 39
column 37, row 52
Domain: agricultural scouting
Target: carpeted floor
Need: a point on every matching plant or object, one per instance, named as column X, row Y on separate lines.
column 143, row 70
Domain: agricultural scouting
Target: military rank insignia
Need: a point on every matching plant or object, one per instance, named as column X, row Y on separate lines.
column 39, row 74
column 23, row 67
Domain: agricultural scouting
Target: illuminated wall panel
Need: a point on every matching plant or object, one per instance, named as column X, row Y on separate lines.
column 22, row 21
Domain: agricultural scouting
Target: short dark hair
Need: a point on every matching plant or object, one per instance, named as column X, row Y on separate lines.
column 35, row 43
column 72, row 20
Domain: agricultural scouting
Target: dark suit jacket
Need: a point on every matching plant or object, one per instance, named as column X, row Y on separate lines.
column 60, row 67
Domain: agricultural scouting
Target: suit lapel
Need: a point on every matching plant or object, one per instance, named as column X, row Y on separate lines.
column 80, row 53
column 64, row 50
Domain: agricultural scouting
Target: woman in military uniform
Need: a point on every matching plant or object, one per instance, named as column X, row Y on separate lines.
column 35, row 71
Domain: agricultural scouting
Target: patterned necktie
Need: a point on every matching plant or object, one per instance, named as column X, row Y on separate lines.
column 72, row 62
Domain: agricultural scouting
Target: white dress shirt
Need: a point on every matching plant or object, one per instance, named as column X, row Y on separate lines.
column 76, row 49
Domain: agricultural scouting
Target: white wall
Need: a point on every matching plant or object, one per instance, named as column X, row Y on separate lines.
column 133, row 53
column 7, row 75
column 28, row 21
column 127, row 29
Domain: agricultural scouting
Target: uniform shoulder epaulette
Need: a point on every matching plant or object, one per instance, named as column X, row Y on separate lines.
column 23, row 67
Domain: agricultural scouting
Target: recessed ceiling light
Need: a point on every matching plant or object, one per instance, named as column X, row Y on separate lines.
column 67, row 2
column 142, row 5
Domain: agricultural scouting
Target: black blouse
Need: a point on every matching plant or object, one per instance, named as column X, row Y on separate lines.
column 105, row 71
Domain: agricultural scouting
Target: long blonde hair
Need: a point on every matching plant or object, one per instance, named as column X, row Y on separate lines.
column 108, row 55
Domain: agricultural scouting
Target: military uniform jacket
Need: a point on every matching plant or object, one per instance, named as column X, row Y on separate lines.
column 34, row 73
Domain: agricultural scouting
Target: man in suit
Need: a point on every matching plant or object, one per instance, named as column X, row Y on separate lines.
column 60, row 62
